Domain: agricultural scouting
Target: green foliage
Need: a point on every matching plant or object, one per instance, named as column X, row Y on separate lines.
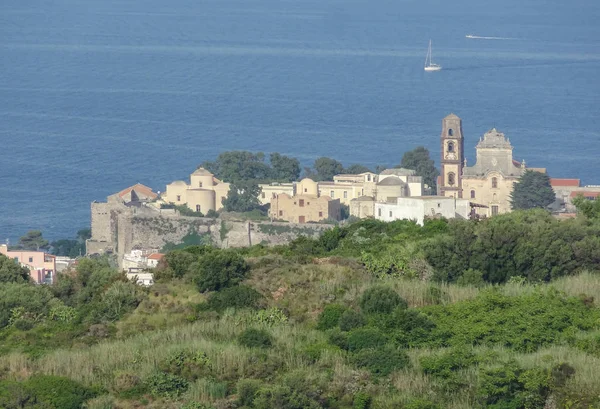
column 190, row 365
column 255, row 338
column 589, row 208
column 330, row 316
column 421, row 404
column 186, row 211
column 212, row 214
column 363, row 338
column 219, row 270
column 327, row 168
column 283, row 397
column 380, row 299
column 351, row 319
column 163, row 384
column 533, row 190
column 381, row 361
column 285, row 169
column 119, row 299
column 362, row 400
column 242, row 197
column 179, row 262
column 239, row 166
column 43, row 392
column 240, row 296
column 445, row 365
column 33, row 240
column 530, row 244
column 356, row 169
column 522, row 323
column 419, row 160
column 72, row 248
column 246, row 391
column 12, row 272
column 27, row 300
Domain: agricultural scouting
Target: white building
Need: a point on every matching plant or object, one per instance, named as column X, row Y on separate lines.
column 418, row 208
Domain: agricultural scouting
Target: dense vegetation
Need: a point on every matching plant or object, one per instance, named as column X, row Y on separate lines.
column 498, row 313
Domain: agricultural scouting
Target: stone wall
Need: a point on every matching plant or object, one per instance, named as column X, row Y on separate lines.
column 120, row 229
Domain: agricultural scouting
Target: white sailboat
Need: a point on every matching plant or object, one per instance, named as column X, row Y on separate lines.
column 429, row 65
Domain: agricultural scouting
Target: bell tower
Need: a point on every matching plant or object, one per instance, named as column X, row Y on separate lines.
column 452, row 157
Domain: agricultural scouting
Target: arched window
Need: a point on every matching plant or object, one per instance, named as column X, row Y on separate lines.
column 450, row 132
column 495, row 197
column 472, row 194
column 494, row 183
column 450, row 146
column 198, row 208
column 451, row 179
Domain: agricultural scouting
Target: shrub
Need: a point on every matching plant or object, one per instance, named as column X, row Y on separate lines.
column 283, row 397
column 351, row 319
column 179, row 262
column 365, row 338
column 338, row 338
column 12, row 272
column 212, row 214
column 330, row 316
column 362, row 400
column 246, row 391
column 380, row 300
column 220, row 270
column 162, row 384
column 255, row 338
column 445, row 364
column 240, row 296
column 421, row 404
column 187, row 364
column 119, row 299
column 381, row 361
column 44, row 391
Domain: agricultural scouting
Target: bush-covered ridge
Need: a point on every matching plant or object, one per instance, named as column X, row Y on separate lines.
column 367, row 316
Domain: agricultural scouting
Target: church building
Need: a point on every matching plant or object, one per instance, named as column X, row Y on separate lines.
column 489, row 182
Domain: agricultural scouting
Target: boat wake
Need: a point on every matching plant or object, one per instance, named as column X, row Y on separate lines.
column 489, row 38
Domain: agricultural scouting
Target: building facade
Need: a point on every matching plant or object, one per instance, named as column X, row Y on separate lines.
column 204, row 192
column 270, row 190
column 419, row 208
column 568, row 189
column 41, row 265
column 489, row 182
column 306, row 206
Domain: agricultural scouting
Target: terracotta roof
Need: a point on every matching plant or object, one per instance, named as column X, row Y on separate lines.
column 155, row 256
column 138, row 187
column 585, row 194
column 565, row 182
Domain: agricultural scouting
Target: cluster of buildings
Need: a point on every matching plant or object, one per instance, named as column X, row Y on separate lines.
column 480, row 190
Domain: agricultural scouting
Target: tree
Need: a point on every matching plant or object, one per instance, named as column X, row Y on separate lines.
column 284, row 168
column 589, row 208
column 239, row 166
column 11, row 271
column 531, row 191
column 242, row 197
column 419, row 160
column 219, row 270
column 356, row 169
column 71, row 248
column 327, row 168
column 33, row 240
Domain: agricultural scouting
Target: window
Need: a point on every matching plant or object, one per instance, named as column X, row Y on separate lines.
column 305, row 190
column 390, row 213
column 308, row 203
column 368, row 178
column 281, row 212
column 31, row 259
column 345, row 194
column 320, row 214
column 332, row 194
column 472, row 194
column 301, row 203
column 494, row 183
column 494, row 210
column 362, row 192
column 274, row 195
column 451, row 179
column 198, row 208
column 178, row 198
column 439, row 205
column 263, row 195
column 450, row 146
column 450, row 132
column 199, row 184
column 495, row 197
column 379, row 212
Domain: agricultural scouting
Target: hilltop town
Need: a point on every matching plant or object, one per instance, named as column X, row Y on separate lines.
column 141, row 220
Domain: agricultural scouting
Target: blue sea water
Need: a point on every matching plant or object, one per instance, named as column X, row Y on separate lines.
column 96, row 95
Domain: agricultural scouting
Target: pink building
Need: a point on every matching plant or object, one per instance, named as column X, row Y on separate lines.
column 41, row 266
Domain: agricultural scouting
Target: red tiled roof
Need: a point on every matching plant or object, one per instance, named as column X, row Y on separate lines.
column 585, row 194
column 138, row 187
column 565, row 182
column 155, row 256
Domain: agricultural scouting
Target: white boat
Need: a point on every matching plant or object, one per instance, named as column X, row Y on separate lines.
column 429, row 65
column 470, row 36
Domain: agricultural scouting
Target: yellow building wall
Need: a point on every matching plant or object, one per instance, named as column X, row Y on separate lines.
column 312, row 208
column 270, row 191
column 203, row 198
column 175, row 191
column 487, row 195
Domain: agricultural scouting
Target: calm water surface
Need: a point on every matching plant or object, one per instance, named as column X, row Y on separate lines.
column 97, row 95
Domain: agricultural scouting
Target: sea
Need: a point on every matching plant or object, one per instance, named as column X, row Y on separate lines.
column 97, row 95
